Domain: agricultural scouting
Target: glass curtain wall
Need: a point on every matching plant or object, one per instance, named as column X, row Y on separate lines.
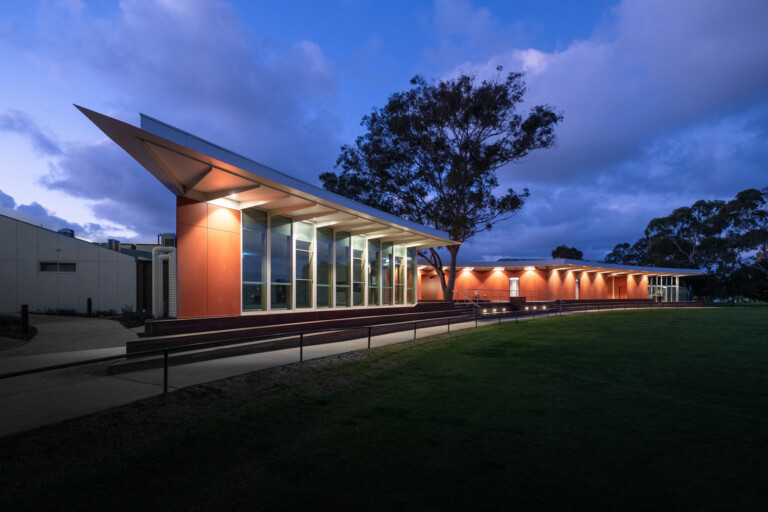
column 374, row 271
column 291, row 266
column 281, row 262
column 324, row 267
column 413, row 275
column 399, row 274
column 304, row 249
column 358, row 270
column 386, row 268
column 254, row 259
column 343, row 258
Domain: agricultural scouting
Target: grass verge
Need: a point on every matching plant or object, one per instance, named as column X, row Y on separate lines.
column 640, row 410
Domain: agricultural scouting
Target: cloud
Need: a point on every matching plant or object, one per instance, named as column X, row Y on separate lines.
column 6, row 202
column 117, row 188
column 195, row 65
column 35, row 213
column 664, row 69
column 19, row 122
column 667, row 103
column 192, row 64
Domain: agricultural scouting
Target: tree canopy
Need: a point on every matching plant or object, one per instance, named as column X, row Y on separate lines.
column 729, row 239
column 571, row 253
column 431, row 154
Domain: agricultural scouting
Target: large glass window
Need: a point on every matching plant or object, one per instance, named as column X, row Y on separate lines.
column 386, row 264
column 304, row 249
column 413, row 275
column 343, row 261
column 254, row 260
column 400, row 274
column 374, row 271
column 358, row 269
column 281, row 262
column 324, row 267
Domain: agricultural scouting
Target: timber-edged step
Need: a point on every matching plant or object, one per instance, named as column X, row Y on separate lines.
column 280, row 343
column 155, row 328
column 170, row 341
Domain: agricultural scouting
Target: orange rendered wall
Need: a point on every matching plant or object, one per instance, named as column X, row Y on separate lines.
column 208, row 259
column 562, row 284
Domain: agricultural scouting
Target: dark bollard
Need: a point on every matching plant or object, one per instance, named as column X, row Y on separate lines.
column 165, row 372
column 90, row 307
column 25, row 318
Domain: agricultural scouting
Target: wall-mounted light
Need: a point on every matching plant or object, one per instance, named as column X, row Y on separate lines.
column 529, row 268
column 467, row 269
column 496, row 269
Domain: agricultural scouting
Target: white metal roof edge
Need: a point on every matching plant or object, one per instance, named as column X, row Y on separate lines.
column 195, row 143
column 126, row 257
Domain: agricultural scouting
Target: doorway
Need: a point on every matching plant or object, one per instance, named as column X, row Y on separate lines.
column 514, row 286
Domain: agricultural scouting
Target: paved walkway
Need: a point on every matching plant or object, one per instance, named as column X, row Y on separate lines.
column 44, row 398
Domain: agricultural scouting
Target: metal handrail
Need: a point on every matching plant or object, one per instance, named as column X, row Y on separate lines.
column 467, row 298
column 203, row 345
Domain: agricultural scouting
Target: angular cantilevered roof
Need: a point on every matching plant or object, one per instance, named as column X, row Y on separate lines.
column 577, row 266
column 194, row 168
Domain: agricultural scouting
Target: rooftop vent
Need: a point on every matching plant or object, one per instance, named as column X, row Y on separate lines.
column 67, row 232
column 166, row 239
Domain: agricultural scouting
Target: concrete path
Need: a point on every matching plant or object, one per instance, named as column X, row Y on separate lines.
column 44, row 398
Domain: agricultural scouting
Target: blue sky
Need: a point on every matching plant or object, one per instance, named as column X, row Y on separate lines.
column 665, row 102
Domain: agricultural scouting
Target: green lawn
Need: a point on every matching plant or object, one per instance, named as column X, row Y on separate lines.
column 637, row 410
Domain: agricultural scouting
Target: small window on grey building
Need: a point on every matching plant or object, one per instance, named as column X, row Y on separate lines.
column 52, row 266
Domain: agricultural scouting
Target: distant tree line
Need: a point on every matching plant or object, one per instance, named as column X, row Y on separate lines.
column 571, row 253
column 729, row 239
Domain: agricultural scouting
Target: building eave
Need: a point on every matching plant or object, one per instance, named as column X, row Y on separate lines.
column 196, row 169
column 566, row 265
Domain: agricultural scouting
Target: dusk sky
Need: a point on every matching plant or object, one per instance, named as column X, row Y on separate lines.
column 665, row 101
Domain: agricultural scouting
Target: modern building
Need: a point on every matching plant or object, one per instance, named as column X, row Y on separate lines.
column 49, row 270
column 559, row 279
column 252, row 240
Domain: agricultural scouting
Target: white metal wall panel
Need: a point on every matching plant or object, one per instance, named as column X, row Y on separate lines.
column 88, row 252
column 47, row 245
column 108, row 285
column 26, row 283
column 67, row 298
column 26, row 241
column 126, row 284
column 88, row 284
column 8, row 287
column 47, row 291
column 8, row 237
column 66, row 247
column 106, row 276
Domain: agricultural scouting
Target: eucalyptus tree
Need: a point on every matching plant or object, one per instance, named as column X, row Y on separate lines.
column 431, row 153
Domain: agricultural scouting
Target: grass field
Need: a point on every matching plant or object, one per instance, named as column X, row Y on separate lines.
column 639, row 410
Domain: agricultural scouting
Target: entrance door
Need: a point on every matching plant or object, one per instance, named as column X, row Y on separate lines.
column 514, row 286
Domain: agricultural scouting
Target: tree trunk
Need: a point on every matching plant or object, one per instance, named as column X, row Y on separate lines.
column 453, row 250
column 437, row 263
